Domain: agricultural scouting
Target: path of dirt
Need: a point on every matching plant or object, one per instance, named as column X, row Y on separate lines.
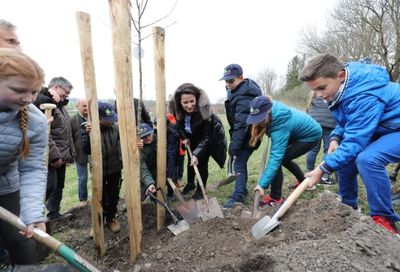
column 316, row 235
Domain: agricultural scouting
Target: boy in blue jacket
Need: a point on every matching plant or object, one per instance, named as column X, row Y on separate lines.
column 366, row 107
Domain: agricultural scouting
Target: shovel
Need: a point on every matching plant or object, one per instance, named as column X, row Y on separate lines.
column 189, row 210
column 209, row 207
column 64, row 251
column 266, row 224
column 255, row 213
column 229, row 179
column 178, row 226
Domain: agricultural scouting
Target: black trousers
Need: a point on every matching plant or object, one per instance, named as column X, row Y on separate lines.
column 111, row 187
column 21, row 249
column 293, row 151
column 203, row 170
column 55, row 187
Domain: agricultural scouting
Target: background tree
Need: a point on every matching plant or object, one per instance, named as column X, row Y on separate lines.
column 267, row 80
column 357, row 29
column 294, row 67
column 138, row 12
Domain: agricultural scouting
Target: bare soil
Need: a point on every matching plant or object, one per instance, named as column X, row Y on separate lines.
column 315, row 235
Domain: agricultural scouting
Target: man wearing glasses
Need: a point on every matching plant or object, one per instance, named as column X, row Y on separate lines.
column 61, row 144
column 240, row 91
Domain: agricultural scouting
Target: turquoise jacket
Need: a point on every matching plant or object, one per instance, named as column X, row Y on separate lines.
column 288, row 125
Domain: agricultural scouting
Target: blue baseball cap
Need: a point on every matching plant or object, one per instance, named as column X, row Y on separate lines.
column 107, row 112
column 232, row 71
column 145, row 130
column 259, row 108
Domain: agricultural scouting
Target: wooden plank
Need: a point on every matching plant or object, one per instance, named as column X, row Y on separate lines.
column 85, row 37
column 121, row 44
column 159, row 67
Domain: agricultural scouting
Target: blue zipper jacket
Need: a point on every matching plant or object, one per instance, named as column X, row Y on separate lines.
column 288, row 125
column 365, row 108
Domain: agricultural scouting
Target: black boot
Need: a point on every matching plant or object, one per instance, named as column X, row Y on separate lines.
column 198, row 195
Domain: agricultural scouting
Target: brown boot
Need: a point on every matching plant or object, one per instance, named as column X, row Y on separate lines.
column 114, row 226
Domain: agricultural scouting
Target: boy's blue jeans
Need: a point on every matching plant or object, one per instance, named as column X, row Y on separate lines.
column 370, row 164
column 82, row 171
column 240, row 166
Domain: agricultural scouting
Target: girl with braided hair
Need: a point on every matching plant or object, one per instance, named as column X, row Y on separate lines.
column 23, row 142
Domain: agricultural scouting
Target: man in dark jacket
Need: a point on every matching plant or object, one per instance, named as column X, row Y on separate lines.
column 81, row 160
column 240, row 91
column 61, row 145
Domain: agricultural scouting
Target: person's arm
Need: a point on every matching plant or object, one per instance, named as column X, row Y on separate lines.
column 358, row 131
column 146, row 179
column 279, row 143
column 33, row 176
column 203, row 146
column 240, row 127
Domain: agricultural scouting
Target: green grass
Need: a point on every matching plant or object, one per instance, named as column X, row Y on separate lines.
column 70, row 194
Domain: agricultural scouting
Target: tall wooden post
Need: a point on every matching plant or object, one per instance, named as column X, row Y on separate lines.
column 159, row 67
column 85, row 37
column 121, row 39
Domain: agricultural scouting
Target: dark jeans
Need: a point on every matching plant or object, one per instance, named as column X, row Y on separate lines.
column 111, row 187
column 82, row 171
column 21, row 249
column 293, row 151
column 55, row 186
column 313, row 153
column 240, row 167
column 203, row 170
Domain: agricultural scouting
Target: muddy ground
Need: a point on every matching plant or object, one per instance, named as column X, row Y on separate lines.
column 315, row 235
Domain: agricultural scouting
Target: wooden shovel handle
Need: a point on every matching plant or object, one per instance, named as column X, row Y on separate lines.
column 257, row 195
column 292, row 198
column 196, row 170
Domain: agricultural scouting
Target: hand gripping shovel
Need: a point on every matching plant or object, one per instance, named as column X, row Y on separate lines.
column 189, row 210
column 209, row 207
column 178, row 226
column 67, row 253
column 266, row 224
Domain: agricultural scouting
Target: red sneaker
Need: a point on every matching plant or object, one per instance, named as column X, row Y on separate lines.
column 385, row 222
column 268, row 200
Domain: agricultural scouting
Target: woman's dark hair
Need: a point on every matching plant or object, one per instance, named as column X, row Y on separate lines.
column 186, row 88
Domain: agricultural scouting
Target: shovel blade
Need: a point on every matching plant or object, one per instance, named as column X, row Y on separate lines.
column 245, row 214
column 263, row 226
column 229, row 179
column 190, row 211
column 211, row 210
column 181, row 226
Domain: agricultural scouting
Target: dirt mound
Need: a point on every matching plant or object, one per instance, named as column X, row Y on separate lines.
column 315, row 235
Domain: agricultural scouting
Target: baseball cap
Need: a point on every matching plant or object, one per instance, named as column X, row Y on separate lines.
column 259, row 107
column 107, row 112
column 232, row 71
column 145, row 130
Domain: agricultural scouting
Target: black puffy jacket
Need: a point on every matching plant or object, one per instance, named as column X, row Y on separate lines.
column 237, row 109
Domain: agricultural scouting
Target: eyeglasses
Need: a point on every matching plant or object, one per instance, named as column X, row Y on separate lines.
column 230, row 81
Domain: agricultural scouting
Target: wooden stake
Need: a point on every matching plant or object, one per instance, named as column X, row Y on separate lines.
column 121, row 41
column 159, row 67
column 85, row 37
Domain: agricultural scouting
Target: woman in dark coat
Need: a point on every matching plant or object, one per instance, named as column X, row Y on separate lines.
column 201, row 130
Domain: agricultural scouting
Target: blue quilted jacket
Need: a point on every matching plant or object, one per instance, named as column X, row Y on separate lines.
column 367, row 107
column 29, row 175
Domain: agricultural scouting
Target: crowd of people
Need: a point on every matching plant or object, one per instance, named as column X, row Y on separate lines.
column 354, row 143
